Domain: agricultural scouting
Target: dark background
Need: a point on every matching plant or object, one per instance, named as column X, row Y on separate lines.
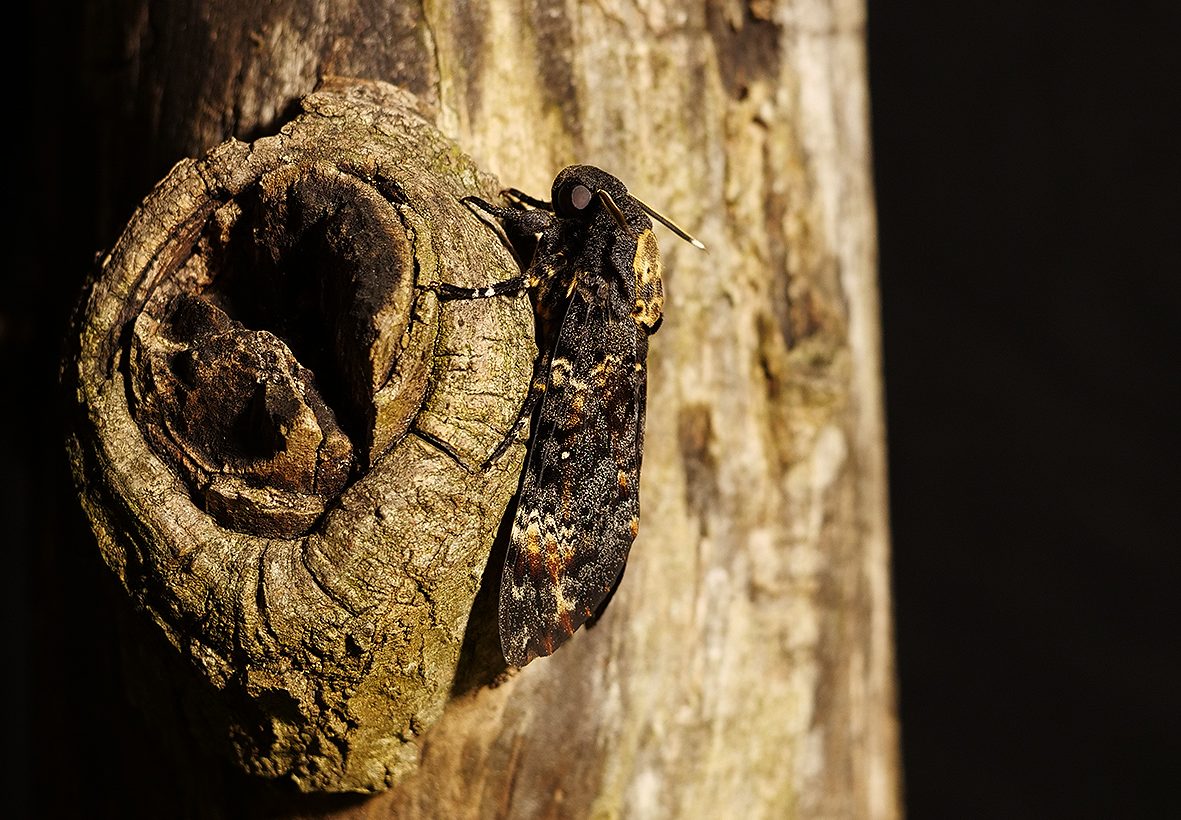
column 1026, row 162
column 1027, row 185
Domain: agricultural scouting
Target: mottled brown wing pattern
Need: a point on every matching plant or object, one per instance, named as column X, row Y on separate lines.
column 578, row 511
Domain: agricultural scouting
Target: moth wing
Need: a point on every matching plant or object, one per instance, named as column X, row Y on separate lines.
column 578, row 510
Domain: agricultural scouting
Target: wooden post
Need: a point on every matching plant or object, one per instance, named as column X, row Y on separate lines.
column 745, row 666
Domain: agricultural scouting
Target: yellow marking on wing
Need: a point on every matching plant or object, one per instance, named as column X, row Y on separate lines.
column 649, row 280
column 602, row 371
column 577, row 409
column 533, row 538
column 559, row 370
column 563, row 607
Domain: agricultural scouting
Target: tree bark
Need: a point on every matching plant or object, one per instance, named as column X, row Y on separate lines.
column 745, row 666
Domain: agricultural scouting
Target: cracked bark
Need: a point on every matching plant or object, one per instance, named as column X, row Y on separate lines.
column 745, row 666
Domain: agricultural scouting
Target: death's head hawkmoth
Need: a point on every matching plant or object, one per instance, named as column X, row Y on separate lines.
column 594, row 275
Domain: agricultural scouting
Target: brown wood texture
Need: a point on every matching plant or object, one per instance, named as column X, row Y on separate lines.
column 745, row 666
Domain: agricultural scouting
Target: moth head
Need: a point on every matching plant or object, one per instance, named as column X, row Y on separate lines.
column 580, row 191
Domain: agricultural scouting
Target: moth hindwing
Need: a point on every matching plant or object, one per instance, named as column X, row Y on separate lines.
column 594, row 281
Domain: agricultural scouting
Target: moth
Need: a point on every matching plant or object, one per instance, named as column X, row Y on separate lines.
column 594, row 277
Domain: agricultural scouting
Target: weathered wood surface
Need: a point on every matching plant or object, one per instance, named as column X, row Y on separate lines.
column 745, row 666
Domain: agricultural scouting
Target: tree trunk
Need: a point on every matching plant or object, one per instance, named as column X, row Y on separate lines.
column 744, row 668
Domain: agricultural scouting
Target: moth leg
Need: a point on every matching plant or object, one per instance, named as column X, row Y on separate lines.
column 515, row 195
column 448, row 293
column 514, row 286
column 441, row 445
column 521, row 228
column 509, row 287
column 536, row 389
column 518, row 228
column 532, row 221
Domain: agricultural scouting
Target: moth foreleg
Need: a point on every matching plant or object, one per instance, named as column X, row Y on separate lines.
column 532, row 221
column 517, row 227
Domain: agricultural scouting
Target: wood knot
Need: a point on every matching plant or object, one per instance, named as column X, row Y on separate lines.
column 289, row 348
column 274, row 423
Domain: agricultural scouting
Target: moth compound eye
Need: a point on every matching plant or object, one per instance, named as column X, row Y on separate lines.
column 580, row 197
column 574, row 200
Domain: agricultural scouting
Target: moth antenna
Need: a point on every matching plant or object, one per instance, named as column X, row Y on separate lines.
column 668, row 223
column 615, row 212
